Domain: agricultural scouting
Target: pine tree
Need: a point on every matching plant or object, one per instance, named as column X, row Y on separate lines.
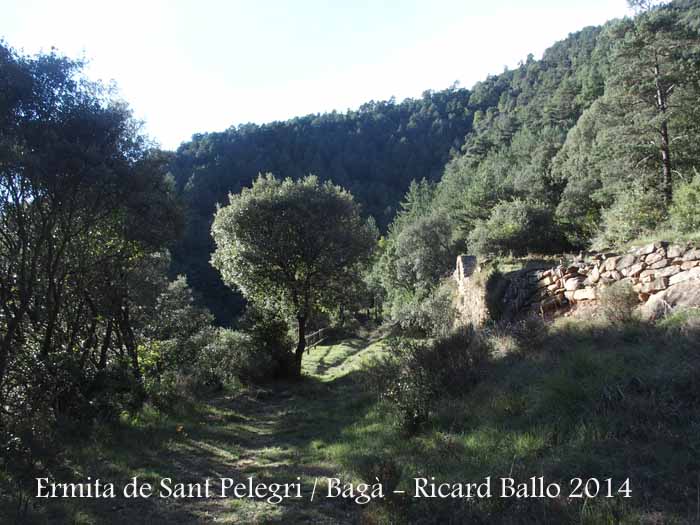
column 655, row 64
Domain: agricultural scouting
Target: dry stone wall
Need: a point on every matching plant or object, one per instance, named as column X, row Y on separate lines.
column 665, row 275
column 471, row 299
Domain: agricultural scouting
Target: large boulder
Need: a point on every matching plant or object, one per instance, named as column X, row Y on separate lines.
column 684, row 295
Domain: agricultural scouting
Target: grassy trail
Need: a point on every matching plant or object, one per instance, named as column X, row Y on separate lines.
column 582, row 400
column 275, row 435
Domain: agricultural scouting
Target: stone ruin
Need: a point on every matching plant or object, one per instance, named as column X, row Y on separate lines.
column 664, row 275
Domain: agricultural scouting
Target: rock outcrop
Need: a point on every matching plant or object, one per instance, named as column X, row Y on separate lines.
column 685, row 295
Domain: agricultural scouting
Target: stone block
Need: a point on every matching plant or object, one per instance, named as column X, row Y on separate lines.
column 653, row 257
column 675, row 250
column 573, row 283
column 585, row 294
column 692, row 255
column 649, row 248
column 662, row 263
column 658, row 284
column 547, row 281
column 634, row 270
column 689, row 265
column 625, row 262
column 669, row 271
column 611, row 263
column 611, row 276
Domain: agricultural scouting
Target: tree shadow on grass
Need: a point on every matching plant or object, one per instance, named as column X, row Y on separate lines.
column 322, row 366
column 278, row 439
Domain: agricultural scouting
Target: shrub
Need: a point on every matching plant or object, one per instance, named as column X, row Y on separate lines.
column 685, row 210
column 438, row 312
column 270, row 352
column 224, row 357
column 516, row 227
column 228, row 356
column 634, row 213
column 434, row 315
column 529, row 333
column 422, row 372
column 618, row 302
column 430, row 313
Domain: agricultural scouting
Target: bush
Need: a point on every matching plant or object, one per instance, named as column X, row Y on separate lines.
column 516, row 227
column 430, row 313
column 228, row 357
column 422, row 372
column 685, row 210
column 434, row 315
column 270, row 352
column 529, row 333
column 437, row 313
column 618, row 302
column 219, row 358
column 634, row 213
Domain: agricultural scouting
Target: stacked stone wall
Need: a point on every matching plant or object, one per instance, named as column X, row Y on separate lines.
column 656, row 271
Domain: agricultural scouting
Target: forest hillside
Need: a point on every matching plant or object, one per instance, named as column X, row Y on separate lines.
column 564, row 142
column 277, row 305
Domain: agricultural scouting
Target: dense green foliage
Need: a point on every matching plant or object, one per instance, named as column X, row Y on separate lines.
column 685, row 210
column 374, row 152
column 90, row 325
column 515, row 226
column 594, row 145
column 550, row 145
column 292, row 247
column 86, row 214
column 416, row 374
column 582, row 148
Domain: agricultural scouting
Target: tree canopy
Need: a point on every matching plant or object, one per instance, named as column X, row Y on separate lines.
column 292, row 246
column 86, row 215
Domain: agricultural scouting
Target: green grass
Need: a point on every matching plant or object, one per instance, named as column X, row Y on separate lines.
column 275, row 434
column 593, row 401
column 585, row 400
column 664, row 234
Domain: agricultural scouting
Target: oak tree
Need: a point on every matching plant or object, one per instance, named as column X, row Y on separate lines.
column 292, row 246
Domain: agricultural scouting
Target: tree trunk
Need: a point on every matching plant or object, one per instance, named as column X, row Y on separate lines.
column 666, row 159
column 130, row 342
column 662, row 106
column 7, row 342
column 105, row 346
column 301, row 345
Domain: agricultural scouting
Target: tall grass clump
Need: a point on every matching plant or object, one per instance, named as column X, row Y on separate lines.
column 619, row 302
